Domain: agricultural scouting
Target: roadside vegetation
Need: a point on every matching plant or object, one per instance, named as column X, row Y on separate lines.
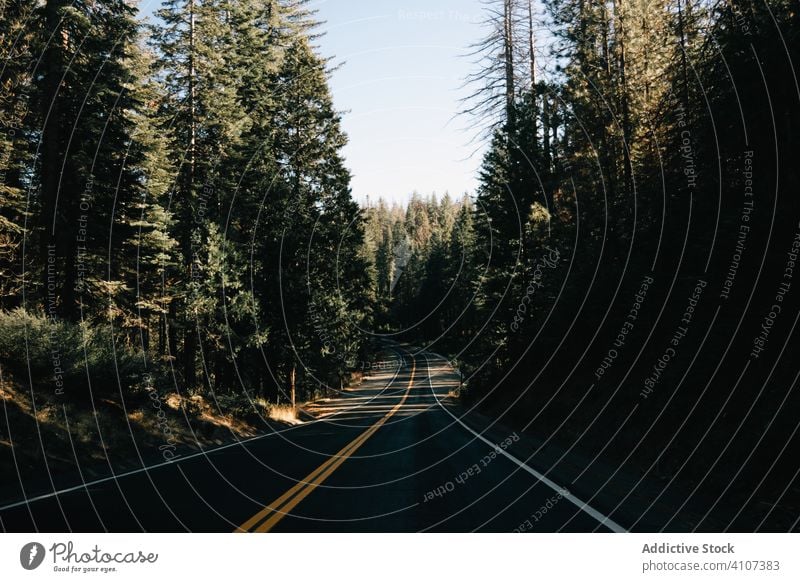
column 618, row 283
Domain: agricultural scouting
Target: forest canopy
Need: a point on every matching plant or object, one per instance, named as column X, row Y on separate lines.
column 181, row 185
column 175, row 208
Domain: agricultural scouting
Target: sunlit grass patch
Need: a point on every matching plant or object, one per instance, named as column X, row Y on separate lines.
column 284, row 413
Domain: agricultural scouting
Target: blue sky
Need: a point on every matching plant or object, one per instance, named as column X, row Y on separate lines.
column 399, row 86
column 404, row 65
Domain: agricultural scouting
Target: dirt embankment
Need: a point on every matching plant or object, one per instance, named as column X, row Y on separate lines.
column 47, row 438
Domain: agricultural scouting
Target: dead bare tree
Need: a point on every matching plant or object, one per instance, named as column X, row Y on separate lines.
column 494, row 88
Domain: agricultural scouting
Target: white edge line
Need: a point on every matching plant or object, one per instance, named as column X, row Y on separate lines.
column 177, row 461
column 583, row 506
column 204, row 452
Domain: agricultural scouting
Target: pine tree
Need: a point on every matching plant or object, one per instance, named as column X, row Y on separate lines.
column 202, row 109
column 16, row 37
column 84, row 99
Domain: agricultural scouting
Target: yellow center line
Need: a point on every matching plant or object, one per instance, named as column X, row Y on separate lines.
column 289, row 500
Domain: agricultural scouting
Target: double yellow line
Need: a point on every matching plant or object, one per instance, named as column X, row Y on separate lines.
column 267, row 518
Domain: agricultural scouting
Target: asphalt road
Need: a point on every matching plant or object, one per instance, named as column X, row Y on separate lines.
column 385, row 457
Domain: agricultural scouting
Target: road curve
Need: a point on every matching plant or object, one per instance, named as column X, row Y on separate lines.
column 388, row 456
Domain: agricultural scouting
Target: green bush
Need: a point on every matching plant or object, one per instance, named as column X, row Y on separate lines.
column 65, row 357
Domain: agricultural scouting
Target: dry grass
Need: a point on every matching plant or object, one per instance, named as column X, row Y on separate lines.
column 284, row 413
column 57, row 436
column 116, row 435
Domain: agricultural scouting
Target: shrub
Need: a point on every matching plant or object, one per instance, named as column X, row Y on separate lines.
column 66, row 356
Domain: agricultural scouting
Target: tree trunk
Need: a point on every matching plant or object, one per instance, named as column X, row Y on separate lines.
column 293, row 387
column 52, row 138
column 534, row 96
column 171, row 327
column 508, row 55
column 189, row 356
column 626, row 114
column 546, row 132
column 190, row 339
column 684, row 65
